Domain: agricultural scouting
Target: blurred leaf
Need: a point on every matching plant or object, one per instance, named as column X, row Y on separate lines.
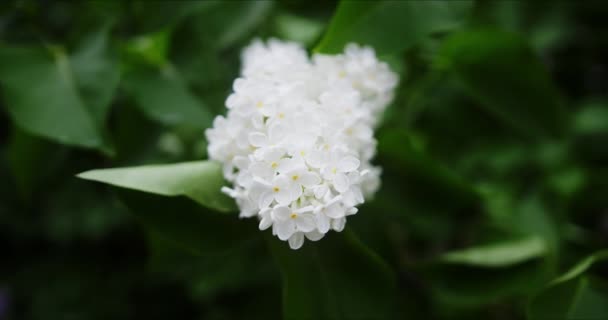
column 398, row 154
column 390, row 26
column 592, row 118
column 231, row 21
column 299, row 29
column 502, row 254
column 248, row 265
column 581, row 267
column 160, row 14
column 337, row 278
column 525, row 214
column 164, row 97
column 201, row 181
column 77, row 210
column 502, row 72
column 32, row 161
column 573, row 295
column 151, row 48
column 465, row 286
column 96, row 72
column 41, row 97
column 591, row 132
column 187, row 224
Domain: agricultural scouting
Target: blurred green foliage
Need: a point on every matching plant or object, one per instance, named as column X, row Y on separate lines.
column 494, row 198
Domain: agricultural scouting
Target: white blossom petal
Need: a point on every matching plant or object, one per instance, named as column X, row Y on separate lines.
column 296, row 241
column 258, row 139
column 323, row 222
column 305, row 223
column 341, row 182
column 314, row 235
column 309, row 179
column 348, row 164
column 285, row 229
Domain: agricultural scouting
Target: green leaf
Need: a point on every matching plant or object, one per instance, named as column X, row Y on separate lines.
column 246, row 266
column 502, row 72
column 574, row 295
column 336, row 278
column 97, row 73
column 32, row 161
column 228, row 22
column 590, row 127
column 41, row 96
column 295, row 28
column 201, row 181
column 188, row 225
column 151, row 48
column 581, row 267
column 398, row 154
column 164, row 97
column 501, row 254
column 464, row 286
column 391, row 26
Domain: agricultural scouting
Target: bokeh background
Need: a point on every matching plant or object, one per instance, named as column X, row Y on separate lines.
column 495, row 156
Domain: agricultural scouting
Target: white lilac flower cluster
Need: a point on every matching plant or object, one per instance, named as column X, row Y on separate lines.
column 298, row 137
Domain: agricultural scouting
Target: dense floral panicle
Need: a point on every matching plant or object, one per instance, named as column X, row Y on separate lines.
column 297, row 142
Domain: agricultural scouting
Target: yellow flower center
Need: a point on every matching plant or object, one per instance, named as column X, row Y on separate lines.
column 274, row 165
column 259, row 104
column 295, row 177
column 276, row 189
column 293, row 215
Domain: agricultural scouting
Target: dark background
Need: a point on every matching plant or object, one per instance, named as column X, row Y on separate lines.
column 464, row 164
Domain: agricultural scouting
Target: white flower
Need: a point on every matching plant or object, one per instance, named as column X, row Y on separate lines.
column 336, row 171
column 289, row 220
column 297, row 141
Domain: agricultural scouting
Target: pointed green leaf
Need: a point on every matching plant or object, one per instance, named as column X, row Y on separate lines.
column 574, row 295
column 504, row 74
column 164, row 97
column 96, row 72
column 581, row 267
column 199, row 180
column 391, row 26
column 398, row 154
column 501, row 254
column 41, row 96
column 336, row 278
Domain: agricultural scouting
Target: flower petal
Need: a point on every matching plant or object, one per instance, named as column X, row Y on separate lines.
column 348, row 164
column 320, row 191
column 266, row 220
column 281, row 213
column 285, row 229
column 258, row 139
column 323, row 222
column 265, row 200
column 261, row 169
column 341, row 182
column 284, row 196
column 309, row 179
column 305, row 223
column 314, row 235
column 338, row 224
column 335, row 211
column 296, row 241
